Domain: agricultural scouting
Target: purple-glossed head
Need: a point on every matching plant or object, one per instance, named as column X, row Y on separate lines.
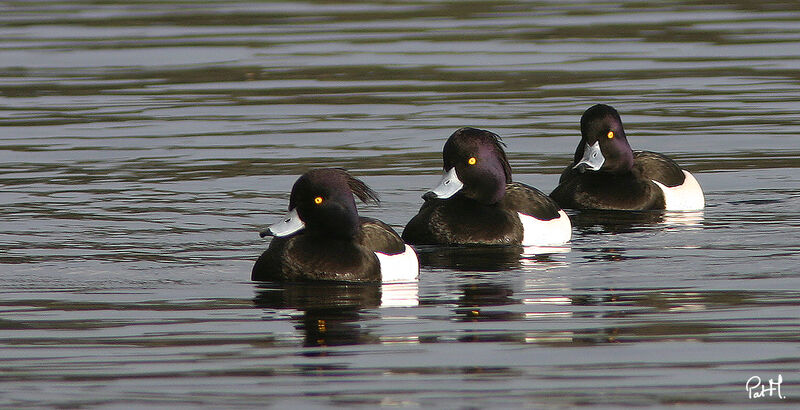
column 603, row 145
column 322, row 201
column 475, row 167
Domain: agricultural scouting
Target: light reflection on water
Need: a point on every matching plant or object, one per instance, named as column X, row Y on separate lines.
column 142, row 147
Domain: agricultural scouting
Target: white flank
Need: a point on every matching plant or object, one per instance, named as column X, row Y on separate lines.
column 537, row 232
column 402, row 267
column 685, row 197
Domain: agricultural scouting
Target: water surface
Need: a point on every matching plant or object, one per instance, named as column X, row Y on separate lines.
column 143, row 145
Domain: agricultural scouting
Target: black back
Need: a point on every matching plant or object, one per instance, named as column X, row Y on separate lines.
column 654, row 166
column 600, row 190
column 461, row 220
column 377, row 236
column 308, row 256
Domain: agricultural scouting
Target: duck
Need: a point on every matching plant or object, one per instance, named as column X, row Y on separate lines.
column 322, row 237
column 606, row 174
column 476, row 202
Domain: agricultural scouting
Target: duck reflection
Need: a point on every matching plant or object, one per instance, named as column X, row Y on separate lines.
column 330, row 311
column 683, row 220
column 490, row 258
column 477, row 295
column 638, row 315
column 601, row 221
column 676, row 311
column 483, row 302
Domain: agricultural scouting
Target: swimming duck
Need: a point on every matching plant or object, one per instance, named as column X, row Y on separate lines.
column 477, row 204
column 606, row 174
column 323, row 238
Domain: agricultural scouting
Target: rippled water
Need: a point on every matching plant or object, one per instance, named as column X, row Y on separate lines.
column 143, row 144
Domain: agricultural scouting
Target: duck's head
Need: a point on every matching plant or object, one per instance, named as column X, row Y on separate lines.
column 603, row 145
column 475, row 167
column 322, row 202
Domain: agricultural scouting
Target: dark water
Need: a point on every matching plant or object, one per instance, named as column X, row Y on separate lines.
column 143, row 144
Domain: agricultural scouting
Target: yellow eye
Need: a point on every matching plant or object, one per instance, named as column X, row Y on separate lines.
column 318, row 200
column 472, row 161
column 610, row 134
